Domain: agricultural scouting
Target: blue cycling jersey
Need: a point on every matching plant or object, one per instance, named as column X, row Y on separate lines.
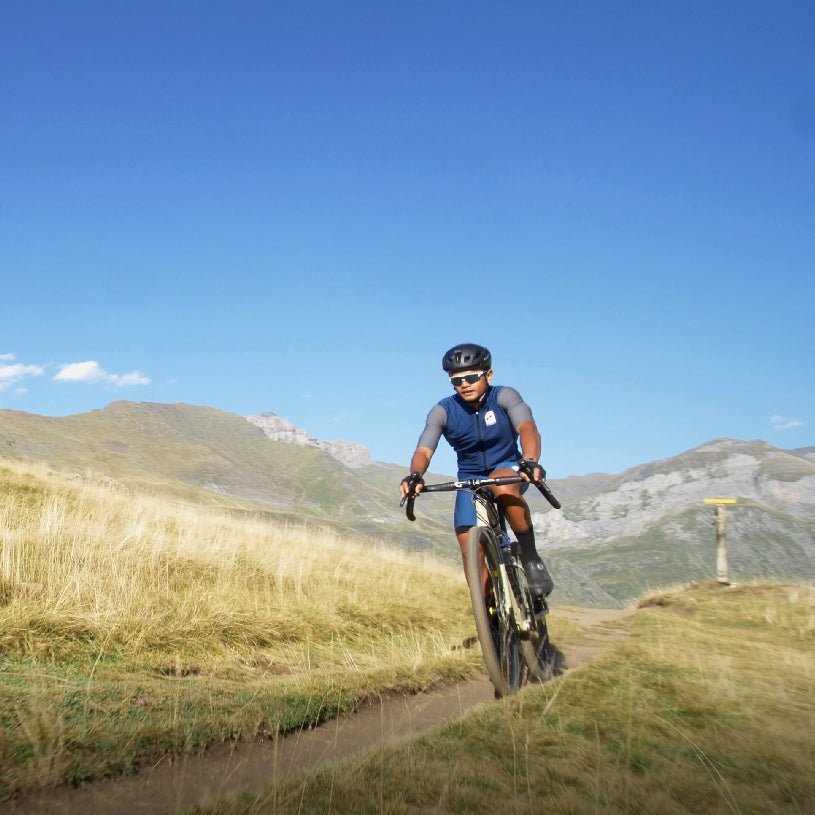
column 483, row 437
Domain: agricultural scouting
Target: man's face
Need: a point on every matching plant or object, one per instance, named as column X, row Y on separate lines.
column 471, row 391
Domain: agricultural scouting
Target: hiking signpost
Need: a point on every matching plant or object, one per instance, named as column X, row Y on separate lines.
column 721, row 505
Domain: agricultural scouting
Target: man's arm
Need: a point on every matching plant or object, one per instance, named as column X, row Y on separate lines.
column 421, row 460
column 425, row 448
column 530, row 439
column 530, row 451
column 418, row 464
column 524, row 423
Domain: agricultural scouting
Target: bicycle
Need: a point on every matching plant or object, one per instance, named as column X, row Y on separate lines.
column 509, row 620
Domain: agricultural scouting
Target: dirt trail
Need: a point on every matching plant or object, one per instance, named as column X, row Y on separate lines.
column 227, row 769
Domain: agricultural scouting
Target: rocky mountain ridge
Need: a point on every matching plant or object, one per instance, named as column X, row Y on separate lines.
column 637, row 498
column 649, row 525
column 351, row 454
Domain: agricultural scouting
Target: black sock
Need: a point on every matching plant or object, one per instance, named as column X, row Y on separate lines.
column 526, row 540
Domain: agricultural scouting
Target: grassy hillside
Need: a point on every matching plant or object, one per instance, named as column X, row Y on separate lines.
column 132, row 627
column 706, row 708
column 178, row 447
column 210, row 456
column 617, row 536
column 207, row 456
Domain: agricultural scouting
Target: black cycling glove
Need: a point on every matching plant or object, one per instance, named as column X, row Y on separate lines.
column 528, row 467
column 412, row 481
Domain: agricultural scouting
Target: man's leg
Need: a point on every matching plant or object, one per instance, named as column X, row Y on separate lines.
column 463, row 534
column 517, row 513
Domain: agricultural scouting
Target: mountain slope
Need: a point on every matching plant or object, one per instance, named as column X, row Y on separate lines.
column 204, row 454
column 616, row 536
column 649, row 525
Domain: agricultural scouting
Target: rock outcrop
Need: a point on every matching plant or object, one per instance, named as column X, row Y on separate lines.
column 639, row 498
column 351, row 454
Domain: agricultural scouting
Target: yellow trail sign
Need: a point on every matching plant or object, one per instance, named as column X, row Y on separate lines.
column 721, row 500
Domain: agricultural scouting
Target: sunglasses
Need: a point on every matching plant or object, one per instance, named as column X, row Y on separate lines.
column 470, row 379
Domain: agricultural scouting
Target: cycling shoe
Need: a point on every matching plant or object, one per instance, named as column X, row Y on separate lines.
column 538, row 578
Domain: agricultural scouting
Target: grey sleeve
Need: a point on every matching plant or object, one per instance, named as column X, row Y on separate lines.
column 436, row 420
column 517, row 410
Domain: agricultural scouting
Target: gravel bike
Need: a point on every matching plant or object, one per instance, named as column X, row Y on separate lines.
column 510, row 621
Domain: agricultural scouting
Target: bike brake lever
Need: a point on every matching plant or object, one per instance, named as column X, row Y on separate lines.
column 410, row 500
column 544, row 490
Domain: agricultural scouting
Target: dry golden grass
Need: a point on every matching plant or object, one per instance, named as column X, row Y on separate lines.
column 108, row 598
column 139, row 573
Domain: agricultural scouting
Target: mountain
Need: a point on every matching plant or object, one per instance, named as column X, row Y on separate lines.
column 649, row 526
column 618, row 534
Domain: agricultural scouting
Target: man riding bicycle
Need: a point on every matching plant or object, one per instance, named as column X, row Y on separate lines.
column 482, row 423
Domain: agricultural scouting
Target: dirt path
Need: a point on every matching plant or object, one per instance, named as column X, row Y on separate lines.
column 227, row 769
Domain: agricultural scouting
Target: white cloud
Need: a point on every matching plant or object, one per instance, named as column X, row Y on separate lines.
column 91, row 371
column 133, row 378
column 6, row 357
column 785, row 423
column 10, row 374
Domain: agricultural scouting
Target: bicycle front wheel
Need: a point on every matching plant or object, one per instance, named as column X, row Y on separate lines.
column 494, row 625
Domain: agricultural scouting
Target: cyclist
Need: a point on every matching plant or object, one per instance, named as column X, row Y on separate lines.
column 482, row 423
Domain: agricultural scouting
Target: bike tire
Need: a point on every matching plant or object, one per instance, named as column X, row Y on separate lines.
column 499, row 644
column 537, row 652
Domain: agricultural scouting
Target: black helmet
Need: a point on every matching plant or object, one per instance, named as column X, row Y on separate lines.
column 467, row 357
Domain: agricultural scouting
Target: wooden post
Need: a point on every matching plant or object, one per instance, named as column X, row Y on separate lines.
column 721, row 546
column 721, row 537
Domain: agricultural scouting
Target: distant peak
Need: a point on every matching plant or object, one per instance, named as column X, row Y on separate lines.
column 351, row 454
column 718, row 445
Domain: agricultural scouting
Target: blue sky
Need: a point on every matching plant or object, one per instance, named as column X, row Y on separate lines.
column 297, row 208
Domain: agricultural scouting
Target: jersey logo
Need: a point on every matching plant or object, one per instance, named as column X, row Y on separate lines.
column 489, row 418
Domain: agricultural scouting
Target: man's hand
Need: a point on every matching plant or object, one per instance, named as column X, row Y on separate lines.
column 530, row 470
column 411, row 484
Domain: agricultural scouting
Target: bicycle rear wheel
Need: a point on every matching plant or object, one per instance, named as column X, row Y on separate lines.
column 496, row 631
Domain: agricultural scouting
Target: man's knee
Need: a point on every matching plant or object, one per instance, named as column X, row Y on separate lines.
column 505, row 489
column 509, row 495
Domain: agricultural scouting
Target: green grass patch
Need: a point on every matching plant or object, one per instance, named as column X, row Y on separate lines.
column 77, row 722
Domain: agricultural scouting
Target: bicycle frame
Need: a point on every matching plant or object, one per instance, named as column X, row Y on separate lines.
column 489, row 514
